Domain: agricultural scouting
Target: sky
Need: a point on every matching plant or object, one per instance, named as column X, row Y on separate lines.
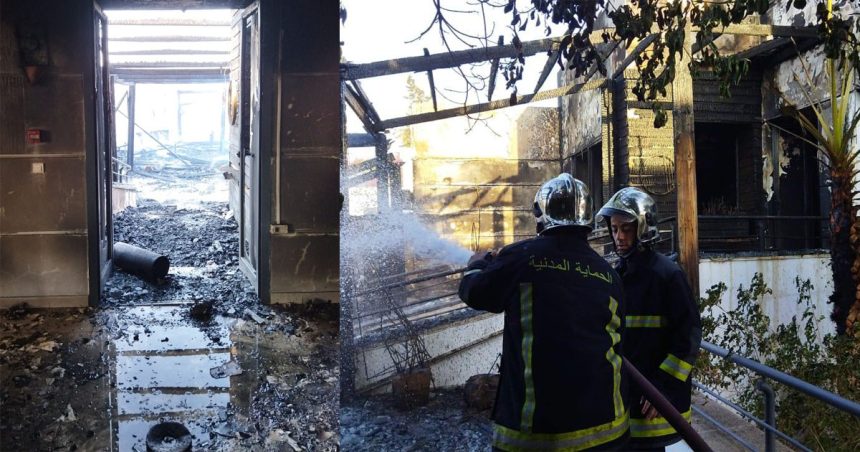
column 378, row 30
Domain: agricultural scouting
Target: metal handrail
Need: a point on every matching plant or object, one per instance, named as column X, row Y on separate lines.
column 411, row 281
column 748, row 415
column 723, row 428
column 117, row 170
column 811, row 390
column 769, row 424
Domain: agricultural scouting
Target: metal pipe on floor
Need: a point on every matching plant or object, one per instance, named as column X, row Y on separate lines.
column 139, row 261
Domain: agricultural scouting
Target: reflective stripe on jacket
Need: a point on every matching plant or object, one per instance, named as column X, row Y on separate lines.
column 561, row 386
column 662, row 338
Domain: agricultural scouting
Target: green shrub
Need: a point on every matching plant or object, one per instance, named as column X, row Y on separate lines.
column 796, row 348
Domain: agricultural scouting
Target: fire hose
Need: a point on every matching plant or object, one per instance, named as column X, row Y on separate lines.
column 665, row 408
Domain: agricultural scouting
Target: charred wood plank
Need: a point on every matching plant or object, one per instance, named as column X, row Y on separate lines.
column 572, row 88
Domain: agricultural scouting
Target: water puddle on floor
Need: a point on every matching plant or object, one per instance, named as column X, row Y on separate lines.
column 163, row 372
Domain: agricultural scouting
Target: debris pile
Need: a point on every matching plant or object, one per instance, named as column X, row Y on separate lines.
column 53, row 366
column 202, row 244
column 375, row 423
column 80, row 379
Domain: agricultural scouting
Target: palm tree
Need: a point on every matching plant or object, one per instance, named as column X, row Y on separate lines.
column 833, row 132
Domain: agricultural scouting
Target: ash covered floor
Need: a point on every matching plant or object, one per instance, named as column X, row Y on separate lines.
column 196, row 348
column 179, row 216
column 99, row 379
column 374, row 423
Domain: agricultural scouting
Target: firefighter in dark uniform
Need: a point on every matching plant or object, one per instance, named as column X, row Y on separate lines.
column 664, row 329
column 561, row 385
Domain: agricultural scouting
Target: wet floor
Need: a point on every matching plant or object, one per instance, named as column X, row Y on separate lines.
column 162, row 372
column 100, row 379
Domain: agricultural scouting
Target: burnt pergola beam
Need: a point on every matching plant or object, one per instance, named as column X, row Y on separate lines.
column 446, row 59
column 168, row 64
column 163, row 52
column 361, row 106
column 779, row 31
column 432, row 83
column 174, row 38
column 572, row 88
column 183, row 22
column 459, row 57
column 494, row 71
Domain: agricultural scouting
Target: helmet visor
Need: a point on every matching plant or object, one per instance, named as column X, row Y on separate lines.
column 606, row 213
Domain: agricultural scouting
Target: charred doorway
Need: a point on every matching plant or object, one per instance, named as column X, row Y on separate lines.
column 796, row 189
column 179, row 140
column 728, row 174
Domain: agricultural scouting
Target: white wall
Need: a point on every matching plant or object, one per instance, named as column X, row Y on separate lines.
column 779, row 273
column 453, row 370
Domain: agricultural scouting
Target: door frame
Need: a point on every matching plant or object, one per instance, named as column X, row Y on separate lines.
column 270, row 59
column 250, row 96
column 269, row 12
column 97, row 158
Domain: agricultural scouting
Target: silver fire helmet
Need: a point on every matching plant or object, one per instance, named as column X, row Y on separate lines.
column 563, row 201
column 636, row 205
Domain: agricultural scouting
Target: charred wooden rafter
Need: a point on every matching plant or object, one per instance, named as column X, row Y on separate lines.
column 494, row 71
column 175, row 38
column 360, row 104
column 488, row 106
column 459, row 57
column 432, row 83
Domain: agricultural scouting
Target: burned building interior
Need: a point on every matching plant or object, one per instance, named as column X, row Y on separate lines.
column 203, row 132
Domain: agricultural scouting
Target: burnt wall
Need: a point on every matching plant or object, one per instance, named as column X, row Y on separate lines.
column 743, row 105
column 43, row 193
column 304, row 261
column 480, row 203
column 650, row 151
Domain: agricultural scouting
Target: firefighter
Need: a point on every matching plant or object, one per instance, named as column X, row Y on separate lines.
column 663, row 327
column 561, row 386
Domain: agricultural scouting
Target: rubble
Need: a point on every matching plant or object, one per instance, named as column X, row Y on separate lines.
column 227, row 369
column 199, row 270
column 71, row 394
column 99, row 379
column 375, row 422
column 480, row 390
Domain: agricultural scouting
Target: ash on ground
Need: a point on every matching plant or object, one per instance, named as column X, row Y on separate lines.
column 197, row 348
column 98, row 379
column 375, row 423
column 202, row 245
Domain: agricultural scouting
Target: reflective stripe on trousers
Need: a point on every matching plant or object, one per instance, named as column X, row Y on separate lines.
column 514, row 440
column 659, row 426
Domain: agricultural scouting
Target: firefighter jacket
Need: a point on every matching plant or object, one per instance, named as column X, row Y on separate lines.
column 662, row 338
column 561, row 386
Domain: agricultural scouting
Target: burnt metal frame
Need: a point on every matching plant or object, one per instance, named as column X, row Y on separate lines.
column 270, row 12
column 95, row 154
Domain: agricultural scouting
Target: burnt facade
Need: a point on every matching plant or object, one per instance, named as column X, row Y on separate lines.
column 748, row 173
